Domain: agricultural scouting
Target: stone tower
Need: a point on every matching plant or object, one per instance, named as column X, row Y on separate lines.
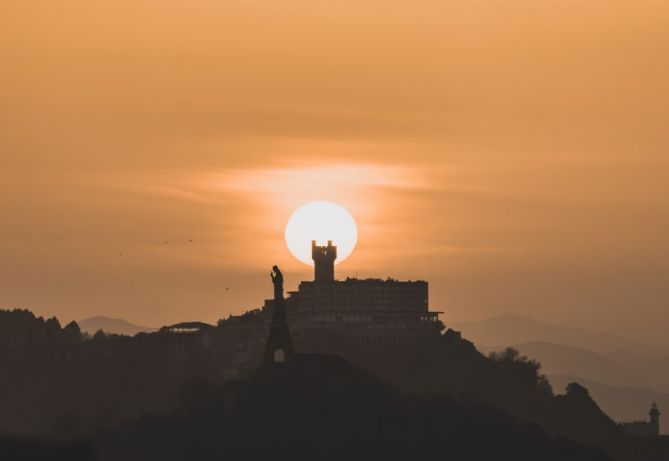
column 655, row 419
column 324, row 258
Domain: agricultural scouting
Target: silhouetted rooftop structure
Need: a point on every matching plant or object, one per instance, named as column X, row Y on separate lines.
column 186, row 327
column 645, row 428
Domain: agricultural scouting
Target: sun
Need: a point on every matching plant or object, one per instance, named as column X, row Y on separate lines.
column 321, row 221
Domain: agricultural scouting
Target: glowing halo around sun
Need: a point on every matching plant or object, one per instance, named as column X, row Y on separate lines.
column 321, row 221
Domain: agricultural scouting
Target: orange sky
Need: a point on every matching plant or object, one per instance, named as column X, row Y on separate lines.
column 513, row 153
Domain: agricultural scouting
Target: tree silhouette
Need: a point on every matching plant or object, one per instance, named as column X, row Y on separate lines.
column 72, row 333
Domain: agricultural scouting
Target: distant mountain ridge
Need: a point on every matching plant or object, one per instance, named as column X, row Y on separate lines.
column 623, row 375
column 623, row 383
column 509, row 329
column 112, row 325
column 613, row 369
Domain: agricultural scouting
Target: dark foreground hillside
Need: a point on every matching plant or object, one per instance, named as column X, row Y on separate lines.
column 512, row 383
column 17, row 449
column 321, row 407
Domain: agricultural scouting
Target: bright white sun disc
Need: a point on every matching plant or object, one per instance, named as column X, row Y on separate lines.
column 321, row 221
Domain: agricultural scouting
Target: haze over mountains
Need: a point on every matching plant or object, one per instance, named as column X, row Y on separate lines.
column 509, row 329
column 621, row 368
column 623, row 375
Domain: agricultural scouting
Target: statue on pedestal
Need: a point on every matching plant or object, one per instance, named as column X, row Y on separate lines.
column 279, row 347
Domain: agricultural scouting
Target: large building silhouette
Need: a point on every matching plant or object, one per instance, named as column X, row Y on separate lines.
column 367, row 312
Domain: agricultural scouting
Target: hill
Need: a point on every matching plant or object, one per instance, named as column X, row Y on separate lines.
column 21, row 449
column 112, row 325
column 621, row 403
column 322, row 407
column 623, row 383
column 621, row 368
column 158, row 396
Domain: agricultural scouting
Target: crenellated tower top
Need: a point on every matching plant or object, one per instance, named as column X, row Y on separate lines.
column 324, row 258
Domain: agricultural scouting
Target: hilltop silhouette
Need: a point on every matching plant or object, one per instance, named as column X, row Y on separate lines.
column 321, row 407
column 621, row 368
column 161, row 395
column 627, row 375
column 622, row 403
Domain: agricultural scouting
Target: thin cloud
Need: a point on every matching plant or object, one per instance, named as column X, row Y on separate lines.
column 342, row 175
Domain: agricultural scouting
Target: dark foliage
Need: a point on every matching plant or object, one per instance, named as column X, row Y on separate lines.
column 20, row 329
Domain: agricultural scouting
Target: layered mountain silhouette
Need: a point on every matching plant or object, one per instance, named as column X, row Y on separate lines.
column 624, row 376
column 112, row 325
column 509, row 329
column 620, row 369
column 622, row 383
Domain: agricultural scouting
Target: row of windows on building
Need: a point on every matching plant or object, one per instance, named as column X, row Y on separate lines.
column 390, row 340
column 380, row 319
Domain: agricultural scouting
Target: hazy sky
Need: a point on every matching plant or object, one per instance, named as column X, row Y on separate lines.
column 513, row 153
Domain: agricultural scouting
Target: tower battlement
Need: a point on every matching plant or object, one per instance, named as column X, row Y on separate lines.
column 324, row 258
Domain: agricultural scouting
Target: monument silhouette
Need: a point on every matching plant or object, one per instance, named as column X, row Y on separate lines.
column 279, row 346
